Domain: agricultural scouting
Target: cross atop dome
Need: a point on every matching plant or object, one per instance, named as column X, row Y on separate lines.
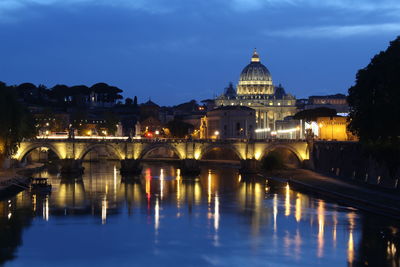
column 255, row 57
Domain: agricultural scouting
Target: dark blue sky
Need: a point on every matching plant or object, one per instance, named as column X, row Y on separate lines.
column 177, row 50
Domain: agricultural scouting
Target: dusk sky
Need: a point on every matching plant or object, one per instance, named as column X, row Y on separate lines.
column 177, row 50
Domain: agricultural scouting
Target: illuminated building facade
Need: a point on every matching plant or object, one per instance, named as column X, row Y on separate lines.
column 334, row 128
column 257, row 91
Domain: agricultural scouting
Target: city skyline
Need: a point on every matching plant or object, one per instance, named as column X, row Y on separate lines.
column 179, row 51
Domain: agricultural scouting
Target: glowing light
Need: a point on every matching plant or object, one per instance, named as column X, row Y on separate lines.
column 209, row 186
column 350, row 248
column 298, row 208
column 115, row 181
column 34, row 202
column 216, row 213
column 289, row 130
column 148, row 181
column 104, row 210
column 287, row 200
column 391, row 249
column 321, row 225
column 197, row 193
column 83, row 137
column 275, row 208
column 156, row 215
column 262, row 130
column 178, row 187
column 161, row 183
column 216, row 133
column 157, row 132
column 46, row 209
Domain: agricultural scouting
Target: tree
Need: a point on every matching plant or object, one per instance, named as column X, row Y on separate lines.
column 110, row 123
column 374, row 103
column 16, row 122
column 178, row 128
column 128, row 101
column 106, row 93
column 375, row 98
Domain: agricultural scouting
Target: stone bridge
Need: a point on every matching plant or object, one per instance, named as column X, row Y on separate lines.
column 74, row 150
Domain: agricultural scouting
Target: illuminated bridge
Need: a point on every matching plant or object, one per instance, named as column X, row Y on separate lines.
column 131, row 151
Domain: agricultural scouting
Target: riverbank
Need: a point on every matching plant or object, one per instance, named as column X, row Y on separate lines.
column 15, row 180
column 348, row 192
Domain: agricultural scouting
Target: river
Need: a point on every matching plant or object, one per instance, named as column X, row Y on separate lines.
column 164, row 219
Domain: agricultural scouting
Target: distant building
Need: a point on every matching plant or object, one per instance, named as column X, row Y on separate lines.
column 149, row 109
column 150, row 123
column 257, row 91
column 228, row 122
column 337, row 102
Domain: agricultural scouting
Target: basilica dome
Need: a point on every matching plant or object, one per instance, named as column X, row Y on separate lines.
column 255, row 71
column 255, row 79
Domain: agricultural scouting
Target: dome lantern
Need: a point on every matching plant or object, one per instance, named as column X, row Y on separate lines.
column 255, row 57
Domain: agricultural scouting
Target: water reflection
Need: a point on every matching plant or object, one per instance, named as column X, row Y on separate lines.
column 260, row 218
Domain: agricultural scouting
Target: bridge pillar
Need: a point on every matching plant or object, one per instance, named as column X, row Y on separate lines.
column 309, row 163
column 190, row 167
column 71, row 167
column 131, row 167
column 249, row 166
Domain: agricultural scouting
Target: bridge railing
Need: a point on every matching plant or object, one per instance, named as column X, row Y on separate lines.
column 163, row 140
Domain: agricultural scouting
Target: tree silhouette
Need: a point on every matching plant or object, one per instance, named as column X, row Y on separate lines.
column 16, row 122
column 178, row 128
column 313, row 114
column 375, row 106
column 375, row 98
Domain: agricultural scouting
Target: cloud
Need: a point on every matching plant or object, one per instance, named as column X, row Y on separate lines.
column 366, row 5
column 163, row 5
column 338, row 31
column 152, row 6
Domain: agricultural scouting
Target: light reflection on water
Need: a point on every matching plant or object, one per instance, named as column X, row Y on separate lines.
column 163, row 218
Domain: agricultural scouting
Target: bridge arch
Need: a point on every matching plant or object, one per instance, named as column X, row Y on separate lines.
column 146, row 150
column 34, row 146
column 100, row 145
column 227, row 147
column 289, row 153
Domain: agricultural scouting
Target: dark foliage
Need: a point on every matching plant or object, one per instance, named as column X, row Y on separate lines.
column 178, row 128
column 375, row 98
column 16, row 122
column 375, row 106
